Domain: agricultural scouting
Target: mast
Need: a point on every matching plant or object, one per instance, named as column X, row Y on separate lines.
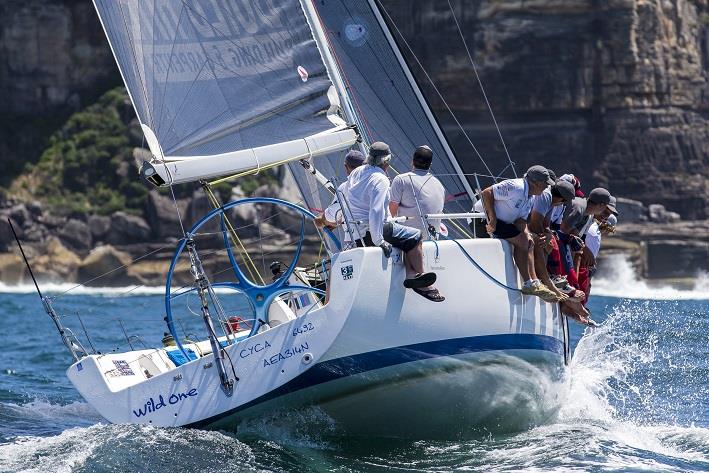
column 424, row 104
column 311, row 14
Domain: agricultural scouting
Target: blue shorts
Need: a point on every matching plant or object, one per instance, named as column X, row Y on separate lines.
column 402, row 237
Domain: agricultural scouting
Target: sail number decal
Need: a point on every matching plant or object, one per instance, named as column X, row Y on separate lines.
column 347, row 272
column 285, row 354
column 303, row 329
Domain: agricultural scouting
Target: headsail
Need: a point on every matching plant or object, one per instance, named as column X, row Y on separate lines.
column 221, row 86
column 384, row 95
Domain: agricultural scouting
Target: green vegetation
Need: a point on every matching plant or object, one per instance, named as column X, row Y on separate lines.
column 88, row 166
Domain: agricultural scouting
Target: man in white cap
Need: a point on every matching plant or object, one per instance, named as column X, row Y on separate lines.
column 507, row 205
column 418, row 193
column 367, row 195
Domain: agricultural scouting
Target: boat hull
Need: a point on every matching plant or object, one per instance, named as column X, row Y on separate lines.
column 375, row 348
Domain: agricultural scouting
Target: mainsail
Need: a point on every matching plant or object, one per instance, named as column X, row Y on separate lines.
column 221, row 86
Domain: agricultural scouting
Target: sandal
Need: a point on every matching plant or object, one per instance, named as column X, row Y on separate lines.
column 420, row 280
column 431, row 294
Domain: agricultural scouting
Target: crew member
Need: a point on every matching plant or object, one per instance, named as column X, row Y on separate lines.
column 543, row 206
column 332, row 216
column 507, row 205
column 417, row 193
column 367, row 194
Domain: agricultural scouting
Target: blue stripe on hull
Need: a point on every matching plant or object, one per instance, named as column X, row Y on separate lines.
column 356, row 364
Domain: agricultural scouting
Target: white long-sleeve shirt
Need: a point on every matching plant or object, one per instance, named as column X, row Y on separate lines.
column 367, row 194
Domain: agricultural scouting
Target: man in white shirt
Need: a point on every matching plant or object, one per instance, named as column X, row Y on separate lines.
column 418, row 193
column 507, row 205
column 603, row 225
column 367, row 196
column 332, row 216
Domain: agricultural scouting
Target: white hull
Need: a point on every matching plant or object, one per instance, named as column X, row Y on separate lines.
column 376, row 351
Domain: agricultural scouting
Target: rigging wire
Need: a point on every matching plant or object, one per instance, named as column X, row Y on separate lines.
column 111, row 271
column 435, row 88
column 253, row 270
column 482, row 89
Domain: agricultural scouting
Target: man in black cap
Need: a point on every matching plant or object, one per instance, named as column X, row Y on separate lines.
column 578, row 217
column 418, row 193
column 367, row 195
column 507, row 205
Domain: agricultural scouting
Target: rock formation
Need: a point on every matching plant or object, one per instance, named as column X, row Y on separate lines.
column 615, row 91
column 53, row 59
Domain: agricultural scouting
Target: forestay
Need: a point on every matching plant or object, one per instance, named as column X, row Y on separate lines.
column 385, row 96
column 221, row 86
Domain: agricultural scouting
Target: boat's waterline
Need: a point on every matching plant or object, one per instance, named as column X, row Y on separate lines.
column 449, row 388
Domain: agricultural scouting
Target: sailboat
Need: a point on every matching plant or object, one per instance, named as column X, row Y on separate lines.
column 224, row 89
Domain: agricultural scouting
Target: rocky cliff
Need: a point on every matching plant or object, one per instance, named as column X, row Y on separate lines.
column 615, row 91
column 54, row 59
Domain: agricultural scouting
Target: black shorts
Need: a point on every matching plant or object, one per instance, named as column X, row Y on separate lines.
column 504, row 230
column 402, row 237
column 477, row 226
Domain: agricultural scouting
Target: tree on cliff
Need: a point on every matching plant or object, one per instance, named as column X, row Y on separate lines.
column 88, row 164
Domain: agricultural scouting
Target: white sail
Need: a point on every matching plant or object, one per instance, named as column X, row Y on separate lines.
column 241, row 82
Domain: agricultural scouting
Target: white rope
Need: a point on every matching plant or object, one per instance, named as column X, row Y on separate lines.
column 482, row 89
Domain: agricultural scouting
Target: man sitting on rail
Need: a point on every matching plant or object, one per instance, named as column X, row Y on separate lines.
column 592, row 244
column 417, row 193
column 578, row 217
column 543, row 206
column 507, row 205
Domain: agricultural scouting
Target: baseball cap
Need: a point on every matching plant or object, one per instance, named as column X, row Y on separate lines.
column 611, row 205
column 599, row 195
column 379, row 153
column 423, row 155
column 354, row 158
column 539, row 174
column 565, row 189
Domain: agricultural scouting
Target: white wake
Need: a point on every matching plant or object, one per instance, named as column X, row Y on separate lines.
column 620, row 280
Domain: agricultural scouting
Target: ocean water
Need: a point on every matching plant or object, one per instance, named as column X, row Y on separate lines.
column 635, row 398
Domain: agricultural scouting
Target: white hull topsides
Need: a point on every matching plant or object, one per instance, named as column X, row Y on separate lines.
column 374, row 342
